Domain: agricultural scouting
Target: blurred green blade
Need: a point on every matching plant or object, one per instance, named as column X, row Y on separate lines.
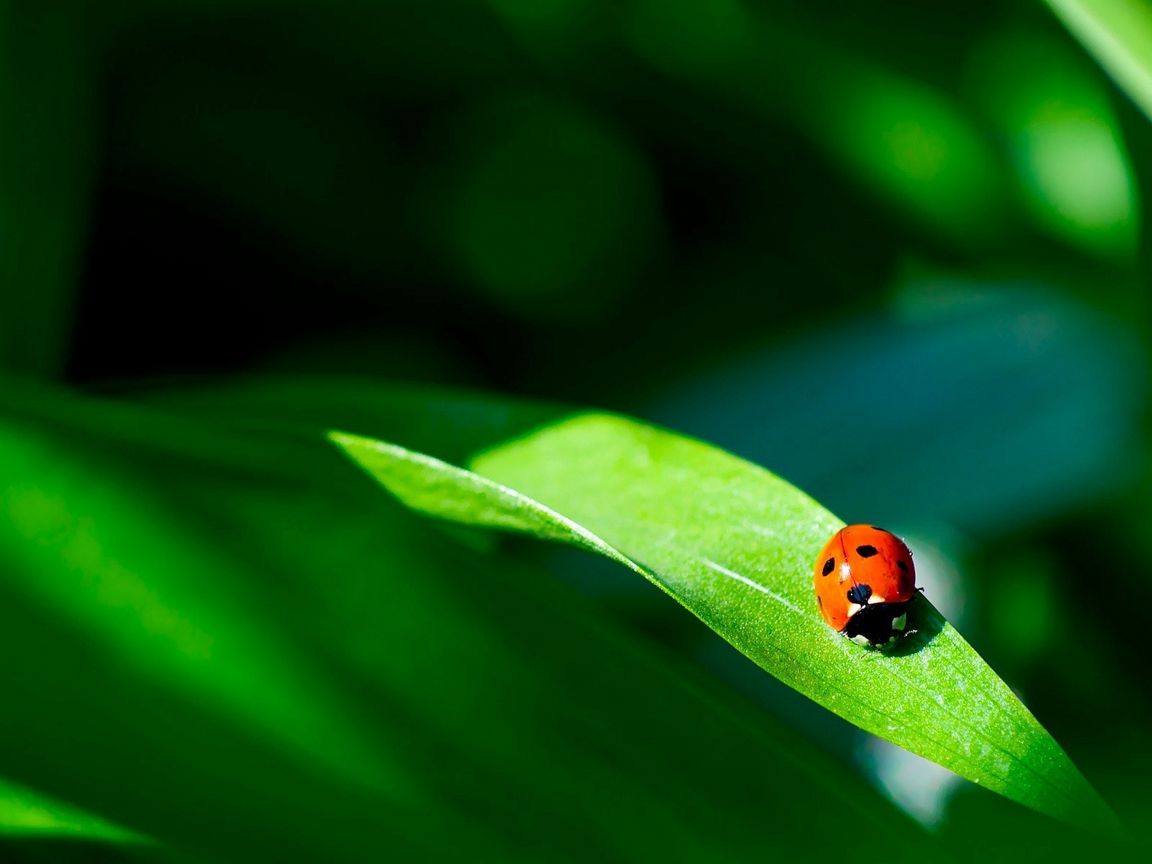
column 1118, row 33
column 734, row 544
column 142, row 692
column 24, row 812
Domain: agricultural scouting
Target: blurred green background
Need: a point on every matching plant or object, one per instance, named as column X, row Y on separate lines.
column 894, row 252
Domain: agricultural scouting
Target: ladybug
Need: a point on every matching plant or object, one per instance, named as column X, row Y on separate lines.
column 864, row 579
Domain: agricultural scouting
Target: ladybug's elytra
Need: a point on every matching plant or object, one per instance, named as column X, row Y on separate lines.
column 864, row 580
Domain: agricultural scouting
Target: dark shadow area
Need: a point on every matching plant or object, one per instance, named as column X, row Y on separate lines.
column 925, row 621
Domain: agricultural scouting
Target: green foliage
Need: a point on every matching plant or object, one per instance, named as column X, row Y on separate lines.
column 1119, row 35
column 734, row 545
column 241, row 621
column 895, row 251
column 23, row 812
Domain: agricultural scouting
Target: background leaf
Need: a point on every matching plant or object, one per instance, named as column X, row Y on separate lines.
column 1118, row 33
column 23, row 812
column 1060, row 391
column 735, row 545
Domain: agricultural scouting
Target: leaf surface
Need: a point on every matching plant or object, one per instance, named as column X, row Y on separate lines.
column 1118, row 33
column 734, row 544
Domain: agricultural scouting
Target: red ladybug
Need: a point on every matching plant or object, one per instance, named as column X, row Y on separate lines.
column 864, row 579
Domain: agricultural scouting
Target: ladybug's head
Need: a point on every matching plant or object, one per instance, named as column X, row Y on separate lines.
column 875, row 625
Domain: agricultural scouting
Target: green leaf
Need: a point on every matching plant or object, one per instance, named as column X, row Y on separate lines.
column 150, row 659
column 734, row 544
column 24, row 812
column 1118, row 33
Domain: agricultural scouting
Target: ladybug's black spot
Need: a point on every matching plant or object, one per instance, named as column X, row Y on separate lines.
column 829, row 566
column 902, row 565
column 819, row 603
column 866, row 551
column 860, row 593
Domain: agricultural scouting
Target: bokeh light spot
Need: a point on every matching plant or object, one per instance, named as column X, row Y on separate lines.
column 686, row 38
column 556, row 212
column 1071, row 167
column 922, row 789
column 1023, row 615
column 912, row 144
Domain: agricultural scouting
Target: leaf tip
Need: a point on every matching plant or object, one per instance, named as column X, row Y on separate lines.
column 345, row 440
